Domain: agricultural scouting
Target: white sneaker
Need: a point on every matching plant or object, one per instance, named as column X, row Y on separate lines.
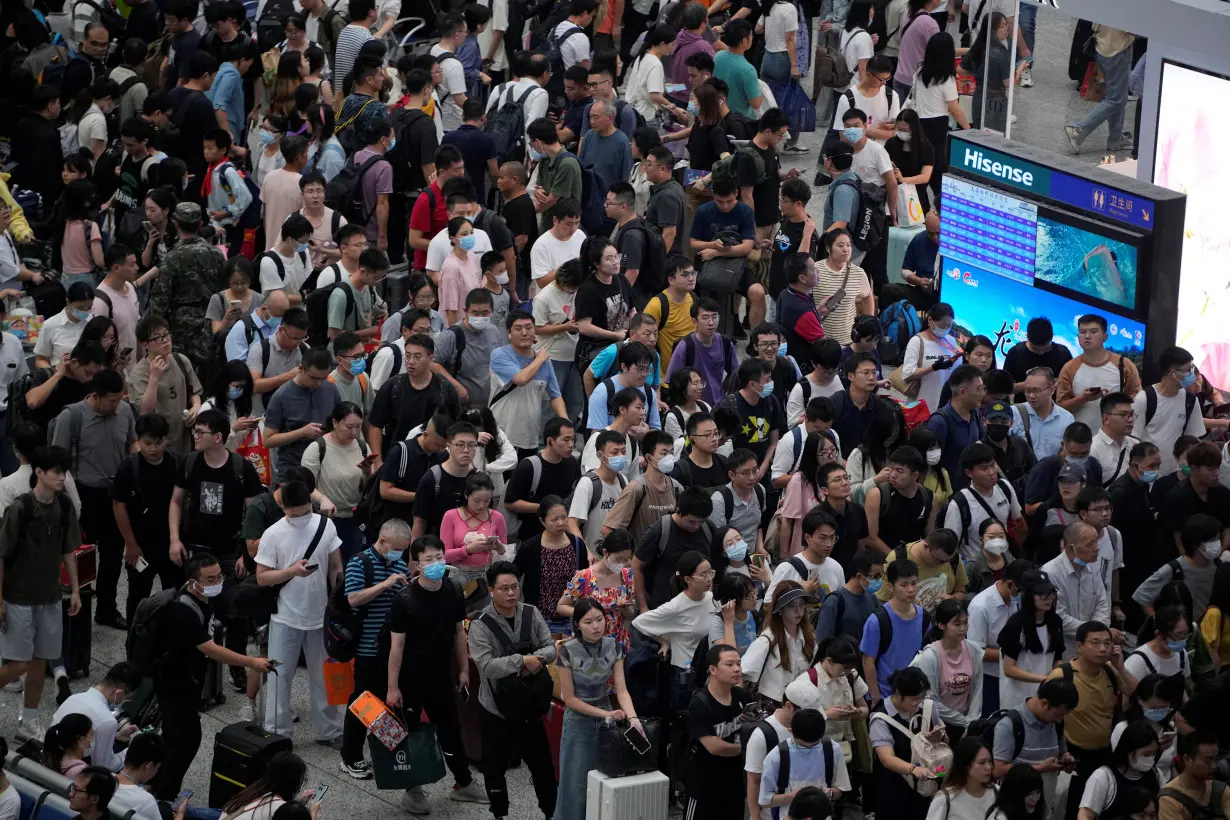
column 472, row 793
column 1027, row 78
column 415, row 801
column 31, row 730
column 17, row 685
column 247, row 711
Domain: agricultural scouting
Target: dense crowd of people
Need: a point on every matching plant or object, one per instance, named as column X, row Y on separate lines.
column 527, row 337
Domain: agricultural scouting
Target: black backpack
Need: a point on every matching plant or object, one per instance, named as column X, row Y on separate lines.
column 278, row 264
column 143, row 633
column 371, row 357
column 653, row 263
column 19, row 411
column 961, row 502
column 886, row 629
column 317, row 305
column 344, row 193
column 506, row 124
column 343, row 622
column 985, row 728
column 870, row 225
column 1151, row 403
column 783, row 764
column 524, row 696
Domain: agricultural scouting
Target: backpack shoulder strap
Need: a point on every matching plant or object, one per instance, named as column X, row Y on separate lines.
column 664, row 307
column 1023, row 412
column 886, row 630
column 1176, row 571
column 1150, row 403
column 497, row 632
column 728, row 501
column 1018, row 731
column 828, row 760
column 1193, row 808
column 783, row 767
column 536, row 473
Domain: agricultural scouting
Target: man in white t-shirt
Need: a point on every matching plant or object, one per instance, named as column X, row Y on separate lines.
column 1176, row 412
column 452, row 90
column 817, row 418
column 92, row 130
column 986, row 495
column 606, row 457
column 823, row 380
column 556, row 246
column 1085, row 380
column 856, row 46
column 298, row 624
column 874, row 96
column 1093, row 507
column 813, row 568
column 871, row 163
column 575, row 49
column 1112, row 444
column 146, row 753
column 286, row 266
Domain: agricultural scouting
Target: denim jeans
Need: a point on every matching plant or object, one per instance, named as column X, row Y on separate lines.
column 570, row 386
column 1117, row 71
column 578, row 754
column 1028, row 22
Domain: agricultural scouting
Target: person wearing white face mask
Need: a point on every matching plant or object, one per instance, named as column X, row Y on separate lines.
column 462, row 353
column 1131, row 767
column 373, row 578
column 993, row 557
column 610, row 462
column 291, row 556
column 96, row 703
column 929, row 356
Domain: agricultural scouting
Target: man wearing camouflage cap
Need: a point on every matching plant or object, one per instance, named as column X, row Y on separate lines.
column 1013, row 454
column 191, row 274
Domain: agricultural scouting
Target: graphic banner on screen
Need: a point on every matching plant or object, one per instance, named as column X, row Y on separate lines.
column 1000, row 308
column 1193, row 115
column 989, row 230
column 1085, row 262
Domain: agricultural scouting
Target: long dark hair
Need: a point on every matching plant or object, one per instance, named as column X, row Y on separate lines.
column 95, row 330
column 809, row 463
column 939, row 63
column 484, row 420
column 678, row 388
column 963, row 757
column 917, row 138
column 779, row 639
column 1026, row 620
column 978, row 50
column 859, row 16
column 235, row 371
column 923, row 440
column 1021, row 781
column 283, row 778
column 883, row 436
column 62, row 737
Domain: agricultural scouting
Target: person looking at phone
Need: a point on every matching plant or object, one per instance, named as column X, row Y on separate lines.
column 1095, row 374
column 146, row 753
column 298, row 623
column 165, row 382
column 930, row 355
column 893, row 771
column 299, row 410
column 96, row 704
column 1044, row 747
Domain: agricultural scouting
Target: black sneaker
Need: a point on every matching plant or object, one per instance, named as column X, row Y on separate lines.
column 239, row 680
column 62, row 691
column 112, row 619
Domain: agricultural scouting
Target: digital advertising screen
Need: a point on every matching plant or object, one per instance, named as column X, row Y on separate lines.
column 999, row 308
column 1193, row 116
column 1092, row 264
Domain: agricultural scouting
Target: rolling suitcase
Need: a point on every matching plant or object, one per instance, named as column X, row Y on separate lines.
column 554, row 722
column 636, row 797
column 242, row 752
column 75, row 647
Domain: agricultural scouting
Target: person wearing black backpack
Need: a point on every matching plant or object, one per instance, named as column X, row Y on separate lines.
column 511, row 645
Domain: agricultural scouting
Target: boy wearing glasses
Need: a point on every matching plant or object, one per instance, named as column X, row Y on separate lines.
column 846, row 609
column 165, row 382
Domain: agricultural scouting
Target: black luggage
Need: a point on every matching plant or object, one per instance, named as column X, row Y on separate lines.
column 76, row 644
column 212, row 693
column 242, row 752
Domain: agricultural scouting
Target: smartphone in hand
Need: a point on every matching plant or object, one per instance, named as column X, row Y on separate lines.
column 181, row 799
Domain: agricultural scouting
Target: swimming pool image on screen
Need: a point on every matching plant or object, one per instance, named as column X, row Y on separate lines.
column 1085, row 262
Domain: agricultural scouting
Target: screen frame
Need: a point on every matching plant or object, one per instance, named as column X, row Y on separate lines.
column 1112, row 231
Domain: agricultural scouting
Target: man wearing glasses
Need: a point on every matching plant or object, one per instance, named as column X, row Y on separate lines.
column 164, row 382
column 1094, row 374
column 1039, row 420
column 601, row 86
column 299, row 409
column 1112, row 443
column 274, row 361
column 874, row 96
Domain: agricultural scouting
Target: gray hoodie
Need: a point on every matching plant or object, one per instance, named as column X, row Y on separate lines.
column 928, row 660
column 487, row 650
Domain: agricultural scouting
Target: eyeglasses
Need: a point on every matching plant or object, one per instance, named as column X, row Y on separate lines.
column 707, row 575
column 710, row 434
column 71, row 790
column 197, row 432
column 595, row 85
column 464, row 445
column 160, row 338
column 1130, row 414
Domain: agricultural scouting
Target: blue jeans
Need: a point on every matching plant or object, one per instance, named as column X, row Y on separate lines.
column 775, row 67
column 352, row 537
column 1117, row 71
column 1028, row 22
column 578, row 755
column 570, row 386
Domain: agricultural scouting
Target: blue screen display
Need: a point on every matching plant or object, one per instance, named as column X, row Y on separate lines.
column 1086, row 262
column 989, row 229
column 999, row 308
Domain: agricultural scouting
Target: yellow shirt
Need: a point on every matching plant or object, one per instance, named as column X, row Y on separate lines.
column 1215, row 628
column 679, row 323
column 942, row 494
column 933, row 582
column 1088, row 725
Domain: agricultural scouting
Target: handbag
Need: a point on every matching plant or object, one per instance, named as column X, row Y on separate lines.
column 251, row 600
column 933, row 755
column 722, row 274
column 792, row 99
column 909, row 206
column 520, row 696
column 258, row 456
column 416, row 761
column 908, row 389
column 339, row 681
column 617, row 757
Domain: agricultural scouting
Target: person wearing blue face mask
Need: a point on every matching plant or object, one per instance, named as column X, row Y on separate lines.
column 1167, row 410
column 426, row 644
column 61, row 332
column 988, row 613
column 373, row 579
column 1166, row 652
column 609, row 461
column 460, row 272
column 1135, row 516
column 286, row 265
column 350, row 375
column 807, row 765
column 847, row 609
column 1080, row 595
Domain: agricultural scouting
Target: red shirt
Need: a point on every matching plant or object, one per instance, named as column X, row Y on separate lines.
column 428, row 221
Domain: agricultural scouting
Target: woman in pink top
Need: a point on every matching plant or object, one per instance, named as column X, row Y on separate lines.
column 78, row 238
column 67, row 743
column 953, row 664
column 917, row 28
column 473, row 534
column 802, row 493
column 460, row 272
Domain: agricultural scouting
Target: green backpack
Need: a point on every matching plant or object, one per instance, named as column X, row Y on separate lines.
column 727, row 167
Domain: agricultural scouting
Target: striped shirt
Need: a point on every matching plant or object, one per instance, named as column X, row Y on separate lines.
column 349, row 40
column 378, row 609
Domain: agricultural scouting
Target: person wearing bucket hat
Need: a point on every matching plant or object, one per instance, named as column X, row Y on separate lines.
column 1013, row 454
column 785, row 647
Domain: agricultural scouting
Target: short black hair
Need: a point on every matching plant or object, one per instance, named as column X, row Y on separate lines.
column 153, row 425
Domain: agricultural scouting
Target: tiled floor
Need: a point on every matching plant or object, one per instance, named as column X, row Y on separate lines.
column 1042, row 111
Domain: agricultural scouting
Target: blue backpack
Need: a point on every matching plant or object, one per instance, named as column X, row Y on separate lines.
column 900, row 322
column 251, row 216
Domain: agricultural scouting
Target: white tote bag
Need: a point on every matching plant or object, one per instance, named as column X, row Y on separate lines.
column 909, row 206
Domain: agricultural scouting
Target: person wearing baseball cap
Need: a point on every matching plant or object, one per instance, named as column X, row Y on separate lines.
column 789, row 629
column 1031, row 641
column 841, row 202
column 1049, row 520
column 1012, row 453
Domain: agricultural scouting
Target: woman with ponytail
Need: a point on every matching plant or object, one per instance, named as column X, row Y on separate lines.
column 953, row 665
column 66, row 744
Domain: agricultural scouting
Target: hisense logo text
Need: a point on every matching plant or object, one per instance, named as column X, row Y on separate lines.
column 976, row 160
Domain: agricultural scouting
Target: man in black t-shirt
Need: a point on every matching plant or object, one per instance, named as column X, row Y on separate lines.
column 53, row 390
column 1201, row 493
column 1038, row 350
column 899, row 511
column 760, row 190
column 184, row 647
column 553, row 471
column 715, row 781
column 518, row 214
column 405, row 467
column 702, row 466
column 653, row 565
column 142, row 489
column 796, row 228
column 760, row 410
column 439, row 489
column 206, row 515
column 193, row 116
column 409, row 400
